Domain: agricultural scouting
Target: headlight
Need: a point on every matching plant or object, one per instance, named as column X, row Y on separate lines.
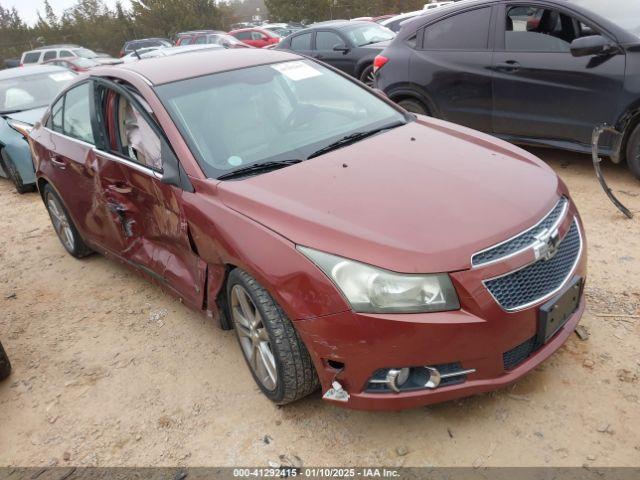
column 23, row 128
column 373, row 290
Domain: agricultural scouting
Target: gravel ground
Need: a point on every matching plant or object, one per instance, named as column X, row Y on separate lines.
column 111, row 371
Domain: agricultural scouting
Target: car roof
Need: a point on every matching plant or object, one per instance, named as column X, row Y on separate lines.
column 341, row 24
column 199, row 63
column 58, row 45
column 27, row 71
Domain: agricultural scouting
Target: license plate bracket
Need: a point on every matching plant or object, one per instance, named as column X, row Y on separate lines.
column 554, row 314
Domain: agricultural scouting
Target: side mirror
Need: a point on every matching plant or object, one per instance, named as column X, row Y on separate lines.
column 172, row 171
column 341, row 47
column 592, row 45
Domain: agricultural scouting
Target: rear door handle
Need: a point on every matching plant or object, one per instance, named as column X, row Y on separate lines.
column 57, row 162
column 508, row 66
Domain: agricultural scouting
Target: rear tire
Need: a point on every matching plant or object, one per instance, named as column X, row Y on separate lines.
column 414, row 106
column 5, row 365
column 12, row 174
column 277, row 358
column 63, row 225
column 633, row 152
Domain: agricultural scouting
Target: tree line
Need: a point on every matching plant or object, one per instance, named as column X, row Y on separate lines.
column 93, row 24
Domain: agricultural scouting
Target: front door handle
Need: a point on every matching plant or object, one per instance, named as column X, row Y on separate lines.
column 120, row 188
column 510, row 66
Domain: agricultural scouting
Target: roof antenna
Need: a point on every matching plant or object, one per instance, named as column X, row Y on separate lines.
column 135, row 50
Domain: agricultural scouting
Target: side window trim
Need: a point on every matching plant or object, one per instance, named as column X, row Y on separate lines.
column 127, row 95
column 500, row 27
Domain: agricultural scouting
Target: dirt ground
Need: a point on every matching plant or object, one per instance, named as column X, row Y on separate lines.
column 111, row 371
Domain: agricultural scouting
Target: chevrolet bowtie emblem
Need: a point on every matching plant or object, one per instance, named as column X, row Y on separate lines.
column 546, row 244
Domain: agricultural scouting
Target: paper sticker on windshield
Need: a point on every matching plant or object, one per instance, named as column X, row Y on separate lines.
column 297, row 70
column 61, row 77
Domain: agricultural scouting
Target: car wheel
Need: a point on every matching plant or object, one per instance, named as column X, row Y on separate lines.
column 278, row 360
column 14, row 175
column 368, row 77
column 633, row 152
column 414, row 106
column 63, row 225
column 5, row 365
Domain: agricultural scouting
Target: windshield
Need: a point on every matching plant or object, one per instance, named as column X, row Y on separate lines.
column 85, row 53
column 32, row 91
column 368, row 34
column 625, row 13
column 283, row 111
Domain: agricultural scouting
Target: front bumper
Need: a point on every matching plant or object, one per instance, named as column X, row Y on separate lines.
column 475, row 337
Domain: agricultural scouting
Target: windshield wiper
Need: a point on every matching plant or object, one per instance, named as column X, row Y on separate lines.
column 353, row 138
column 258, row 168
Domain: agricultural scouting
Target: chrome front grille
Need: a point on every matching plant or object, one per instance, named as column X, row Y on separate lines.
column 535, row 282
column 523, row 240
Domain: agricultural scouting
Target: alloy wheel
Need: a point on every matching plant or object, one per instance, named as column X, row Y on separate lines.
column 370, row 78
column 60, row 223
column 254, row 338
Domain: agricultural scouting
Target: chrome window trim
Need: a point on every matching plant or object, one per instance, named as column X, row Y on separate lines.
column 130, row 163
column 524, row 249
column 548, row 295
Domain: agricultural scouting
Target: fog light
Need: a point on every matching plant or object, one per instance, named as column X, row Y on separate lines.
column 397, row 377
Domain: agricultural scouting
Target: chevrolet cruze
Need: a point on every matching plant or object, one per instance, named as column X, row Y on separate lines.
column 394, row 260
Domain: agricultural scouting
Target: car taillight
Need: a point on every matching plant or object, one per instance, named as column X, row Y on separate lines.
column 379, row 62
column 122, row 53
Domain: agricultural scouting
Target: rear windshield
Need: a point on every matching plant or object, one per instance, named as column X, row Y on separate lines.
column 32, row 91
column 283, row 111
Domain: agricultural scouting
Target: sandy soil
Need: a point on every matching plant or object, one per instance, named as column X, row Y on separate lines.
column 110, row 371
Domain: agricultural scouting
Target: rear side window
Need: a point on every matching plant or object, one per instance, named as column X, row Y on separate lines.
column 77, row 117
column 464, row 31
column 49, row 55
column 327, row 40
column 301, row 42
column 200, row 40
column 243, row 35
column 31, row 57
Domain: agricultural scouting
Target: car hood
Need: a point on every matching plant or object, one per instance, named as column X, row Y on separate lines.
column 421, row 198
column 28, row 116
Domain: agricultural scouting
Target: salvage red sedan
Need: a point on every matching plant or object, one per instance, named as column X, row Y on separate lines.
column 394, row 260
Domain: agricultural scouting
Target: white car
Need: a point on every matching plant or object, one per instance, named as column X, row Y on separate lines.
column 432, row 5
column 395, row 23
column 167, row 52
column 54, row 52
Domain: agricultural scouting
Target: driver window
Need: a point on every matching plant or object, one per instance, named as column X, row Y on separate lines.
column 325, row 41
column 536, row 29
column 138, row 141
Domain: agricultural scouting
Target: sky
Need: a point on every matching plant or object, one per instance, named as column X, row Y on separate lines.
column 28, row 8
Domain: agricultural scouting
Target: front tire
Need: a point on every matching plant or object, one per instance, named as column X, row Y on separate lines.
column 5, row 365
column 14, row 175
column 367, row 77
column 633, row 152
column 277, row 358
column 414, row 106
column 63, row 225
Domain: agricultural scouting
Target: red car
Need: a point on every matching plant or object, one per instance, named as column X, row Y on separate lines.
column 394, row 260
column 256, row 37
column 77, row 64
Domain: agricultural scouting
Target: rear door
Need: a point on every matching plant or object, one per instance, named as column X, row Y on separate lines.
column 540, row 89
column 452, row 65
column 141, row 216
column 326, row 41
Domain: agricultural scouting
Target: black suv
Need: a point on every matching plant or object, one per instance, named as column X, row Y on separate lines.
column 540, row 72
column 347, row 46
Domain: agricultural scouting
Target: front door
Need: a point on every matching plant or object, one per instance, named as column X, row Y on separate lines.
column 143, row 216
column 326, row 42
column 540, row 89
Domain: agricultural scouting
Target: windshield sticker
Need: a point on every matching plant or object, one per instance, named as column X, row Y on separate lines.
column 234, row 161
column 297, row 70
column 61, row 77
